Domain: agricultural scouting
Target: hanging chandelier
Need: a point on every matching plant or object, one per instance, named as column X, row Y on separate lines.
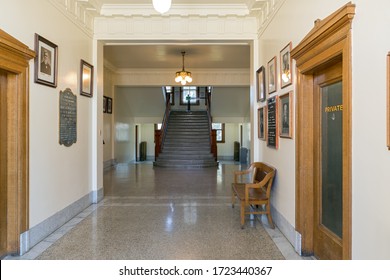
column 183, row 76
column 162, row 6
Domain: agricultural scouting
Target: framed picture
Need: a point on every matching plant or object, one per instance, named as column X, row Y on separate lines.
column 261, row 114
column 45, row 62
column 109, row 105
column 272, row 83
column 388, row 100
column 104, row 104
column 285, row 66
column 260, row 79
column 86, row 78
column 286, row 115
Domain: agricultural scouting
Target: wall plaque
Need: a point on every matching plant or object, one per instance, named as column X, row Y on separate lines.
column 68, row 118
column 272, row 127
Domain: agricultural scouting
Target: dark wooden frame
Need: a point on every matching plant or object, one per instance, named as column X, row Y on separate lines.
column 289, row 97
column 39, row 76
column 272, row 73
column 260, row 111
column 86, row 78
column 283, row 53
column 109, row 105
column 104, row 104
column 260, row 84
column 223, row 133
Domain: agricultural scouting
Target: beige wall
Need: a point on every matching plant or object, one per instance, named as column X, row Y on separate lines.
column 58, row 175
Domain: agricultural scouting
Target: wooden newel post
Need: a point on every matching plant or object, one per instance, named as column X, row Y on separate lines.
column 157, row 143
column 214, row 143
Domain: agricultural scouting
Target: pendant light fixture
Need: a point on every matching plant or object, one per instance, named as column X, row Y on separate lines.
column 183, row 76
column 162, row 6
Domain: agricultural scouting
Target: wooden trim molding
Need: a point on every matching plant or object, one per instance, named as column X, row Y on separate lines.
column 388, row 100
column 327, row 42
column 14, row 141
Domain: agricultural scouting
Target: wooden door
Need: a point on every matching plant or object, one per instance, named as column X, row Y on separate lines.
column 14, row 80
column 328, row 162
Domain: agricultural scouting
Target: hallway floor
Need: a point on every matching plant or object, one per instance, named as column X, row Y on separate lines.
column 158, row 213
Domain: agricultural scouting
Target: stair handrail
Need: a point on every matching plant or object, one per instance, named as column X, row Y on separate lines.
column 159, row 135
column 213, row 132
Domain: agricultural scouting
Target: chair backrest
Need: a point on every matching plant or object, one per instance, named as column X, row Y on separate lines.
column 262, row 170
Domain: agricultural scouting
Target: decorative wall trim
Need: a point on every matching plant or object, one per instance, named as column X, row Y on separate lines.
column 176, row 27
column 109, row 10
column 287, row 229
column 39, row 232
column 109, row 163
column 266, row 14
column 158, row 77
column 81, row 13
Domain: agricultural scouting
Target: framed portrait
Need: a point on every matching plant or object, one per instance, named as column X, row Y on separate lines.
column 261, row 115
column 109, row 105
column 286, row 115
column 285, row 66
column 388, row 100
column 104, row 104
column 272, row 82
column 45, row 62
column 260, row 80
column 86, row 78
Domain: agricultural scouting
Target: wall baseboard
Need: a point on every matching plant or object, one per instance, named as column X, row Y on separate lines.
column 230, row 158
column 42, row 230
column 287, row 229
column 109, row 163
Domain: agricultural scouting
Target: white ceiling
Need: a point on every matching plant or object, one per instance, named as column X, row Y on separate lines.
column 168, row 55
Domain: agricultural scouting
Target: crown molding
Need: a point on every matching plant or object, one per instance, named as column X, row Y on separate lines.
column 81, row 12
column 109, row 10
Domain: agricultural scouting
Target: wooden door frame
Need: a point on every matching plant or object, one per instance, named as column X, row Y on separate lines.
column 329, row 40
column 14, row 137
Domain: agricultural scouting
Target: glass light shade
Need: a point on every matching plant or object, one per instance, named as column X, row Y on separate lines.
column 162, row 6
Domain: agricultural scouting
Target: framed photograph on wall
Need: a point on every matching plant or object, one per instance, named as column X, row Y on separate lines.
column 261, row 115
column 286, row 115
column 272, row 82
column 260, row 86
column 104, row 104
column 109, row 105
column 285, row 66
column 86, row 78
column 388, row 100
column 45, row 62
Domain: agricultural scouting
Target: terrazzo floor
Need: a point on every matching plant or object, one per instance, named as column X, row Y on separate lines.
column 157, row 213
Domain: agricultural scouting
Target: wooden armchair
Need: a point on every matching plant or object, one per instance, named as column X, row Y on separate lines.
column 256, row 192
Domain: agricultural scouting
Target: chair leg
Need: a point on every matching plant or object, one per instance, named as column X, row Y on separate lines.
column 233, row 198
column 242, row 214
column 270, row 222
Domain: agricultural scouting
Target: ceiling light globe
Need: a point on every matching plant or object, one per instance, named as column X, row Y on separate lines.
column 162, row 6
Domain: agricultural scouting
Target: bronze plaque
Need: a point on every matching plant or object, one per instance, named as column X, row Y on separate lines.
column 68, row 118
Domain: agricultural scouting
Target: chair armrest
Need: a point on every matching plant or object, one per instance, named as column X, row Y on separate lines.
column 238, row 173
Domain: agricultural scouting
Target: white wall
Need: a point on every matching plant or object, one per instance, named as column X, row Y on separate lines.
column 108, row 132
column 371, row 159
column 58, row 175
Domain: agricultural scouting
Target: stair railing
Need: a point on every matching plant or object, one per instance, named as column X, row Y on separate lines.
column 159, row 135
column 213, row 132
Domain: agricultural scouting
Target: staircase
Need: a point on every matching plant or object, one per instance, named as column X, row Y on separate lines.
column 187, row 141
